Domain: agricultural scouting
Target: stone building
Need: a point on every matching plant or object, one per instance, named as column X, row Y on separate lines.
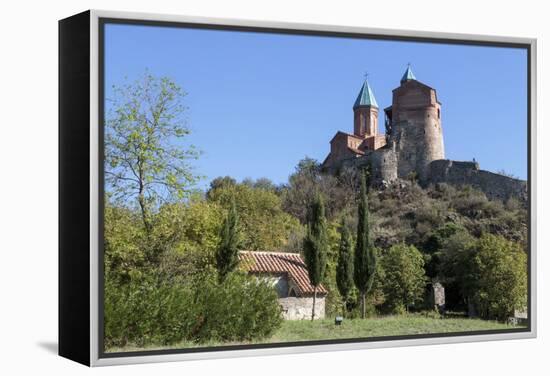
column 412, row 145
column 288, row 274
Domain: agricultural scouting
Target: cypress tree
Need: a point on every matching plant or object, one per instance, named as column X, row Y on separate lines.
column 315, row 246
column 365, row 259
column 344, row 269
column 227, row 251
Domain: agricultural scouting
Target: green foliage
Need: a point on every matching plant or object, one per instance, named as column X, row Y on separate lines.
column 501, row 271
column 187, row 235
column 192, row 226
column 405, row 278
column 306, row 181
column 155, row 311
column 333, row 300
column 182, row 240
column 456, row 266
column 261, row 183
column 227, row 251
column 433, row 247
column 315, row 247
column 147, row 310
column 242, row 308
column 365, row 257
column 405, row 212
column 344, row 269
column 316, row 241
column 491, row 273
column 124, row 237
column 144, row 157
column 264, row 224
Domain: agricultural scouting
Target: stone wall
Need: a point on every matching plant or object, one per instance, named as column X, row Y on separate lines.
column 384, row 165
column 299, row 308
column 279, row 282
column 495, row 186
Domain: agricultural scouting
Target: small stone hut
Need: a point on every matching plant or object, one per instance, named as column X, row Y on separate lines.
column 288, row 274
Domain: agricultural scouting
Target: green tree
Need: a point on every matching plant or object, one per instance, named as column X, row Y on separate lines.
column 125, row 256
column 304, row 183
column 365, row 256
column 315, row 246
column 344, row 268
column 264, row 224
column 457, row 268
column 190, row 232
column 501, row 270
column 144, row 157
column 227, row 252
column 405, row 279
column 433, row 247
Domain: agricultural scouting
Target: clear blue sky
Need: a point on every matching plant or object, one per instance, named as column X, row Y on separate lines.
column 258, row 103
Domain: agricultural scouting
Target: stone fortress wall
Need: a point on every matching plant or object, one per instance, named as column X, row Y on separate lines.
column 495, row 186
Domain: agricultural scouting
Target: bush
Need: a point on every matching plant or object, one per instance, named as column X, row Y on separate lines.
column 491, row 272
column 156, row 311
column 501, row 270
column 405, row 278
column 146, row 311
column 242, row 308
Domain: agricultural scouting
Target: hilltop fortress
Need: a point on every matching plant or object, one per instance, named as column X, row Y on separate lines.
column 412, row 146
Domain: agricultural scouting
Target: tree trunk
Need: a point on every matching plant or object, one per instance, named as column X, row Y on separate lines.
column 344, row 307
column 144, row 214
column 363, row 308
column 314, row 298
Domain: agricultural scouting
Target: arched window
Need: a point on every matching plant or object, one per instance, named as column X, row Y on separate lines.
column 292, row 293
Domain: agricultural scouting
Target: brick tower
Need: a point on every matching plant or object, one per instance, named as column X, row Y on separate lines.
column 413, row 124
column 365, row 113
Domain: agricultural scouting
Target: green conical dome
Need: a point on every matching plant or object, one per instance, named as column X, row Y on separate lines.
column 409, row 75
column 365, row 97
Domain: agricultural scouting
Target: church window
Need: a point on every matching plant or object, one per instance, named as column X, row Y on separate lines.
column 438, row 113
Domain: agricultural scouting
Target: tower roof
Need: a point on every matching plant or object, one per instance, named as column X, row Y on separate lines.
column 409, row 75
column 366, row 96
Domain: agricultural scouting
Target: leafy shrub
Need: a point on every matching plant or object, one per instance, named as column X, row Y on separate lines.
column 405, row 278
column 242, row 308
column 156, row 311
column 124, row 236
column 491, row 272
column 501, row 271
column 147, row 310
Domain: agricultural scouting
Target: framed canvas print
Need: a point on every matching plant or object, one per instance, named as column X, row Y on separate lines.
column 236, row 188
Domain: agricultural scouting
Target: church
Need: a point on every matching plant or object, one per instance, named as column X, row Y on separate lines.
column 412, row 146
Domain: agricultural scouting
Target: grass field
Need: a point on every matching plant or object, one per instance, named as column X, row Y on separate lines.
column 378, row 327
column 295, row 331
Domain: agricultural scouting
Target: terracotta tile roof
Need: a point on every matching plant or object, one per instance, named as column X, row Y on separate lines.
column 290, row 264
